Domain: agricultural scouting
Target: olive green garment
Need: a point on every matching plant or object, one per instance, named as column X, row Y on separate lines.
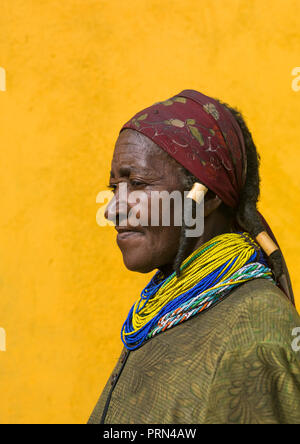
column 234, row 363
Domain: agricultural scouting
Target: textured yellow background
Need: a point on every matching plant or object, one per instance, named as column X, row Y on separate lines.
column 76, row 71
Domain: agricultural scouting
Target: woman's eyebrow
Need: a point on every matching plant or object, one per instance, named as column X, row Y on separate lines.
column 125, row 171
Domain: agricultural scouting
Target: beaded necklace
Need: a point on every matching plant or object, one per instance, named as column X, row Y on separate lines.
column 207, row 276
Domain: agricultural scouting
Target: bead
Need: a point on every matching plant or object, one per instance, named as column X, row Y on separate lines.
column 207, row 276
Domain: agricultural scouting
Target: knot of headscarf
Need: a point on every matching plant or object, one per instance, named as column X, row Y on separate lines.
column 203, row 136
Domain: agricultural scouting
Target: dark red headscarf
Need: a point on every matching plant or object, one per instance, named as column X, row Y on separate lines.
column 204, row 137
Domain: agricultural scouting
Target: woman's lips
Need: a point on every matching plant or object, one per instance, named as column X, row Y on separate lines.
column 127, row 234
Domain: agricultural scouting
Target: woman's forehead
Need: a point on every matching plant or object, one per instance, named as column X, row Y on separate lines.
column 136, row 153
column 136, row 149
column 137, row 140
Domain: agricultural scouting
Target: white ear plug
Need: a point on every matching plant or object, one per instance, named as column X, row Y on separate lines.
column 194, row 192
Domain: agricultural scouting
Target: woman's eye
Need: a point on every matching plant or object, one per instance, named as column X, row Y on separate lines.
column 136, row 183
column 133, row 183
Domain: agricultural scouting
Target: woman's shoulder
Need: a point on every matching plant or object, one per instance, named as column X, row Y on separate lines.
column 258, row 311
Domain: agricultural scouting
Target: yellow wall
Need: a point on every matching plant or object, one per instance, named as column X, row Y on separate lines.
column 76, row 70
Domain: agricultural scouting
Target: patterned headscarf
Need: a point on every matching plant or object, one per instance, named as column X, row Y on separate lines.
column 203, row 136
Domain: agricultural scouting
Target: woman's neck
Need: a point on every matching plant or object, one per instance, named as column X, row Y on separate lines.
column 215, row 224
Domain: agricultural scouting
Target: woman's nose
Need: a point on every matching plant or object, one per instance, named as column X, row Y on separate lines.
column 117, row 208
column 110, row 210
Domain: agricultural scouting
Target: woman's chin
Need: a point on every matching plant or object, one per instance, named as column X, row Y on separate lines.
column 140, row 265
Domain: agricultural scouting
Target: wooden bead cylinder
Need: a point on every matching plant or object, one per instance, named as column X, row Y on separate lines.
column 266, row 243
column 193, row 193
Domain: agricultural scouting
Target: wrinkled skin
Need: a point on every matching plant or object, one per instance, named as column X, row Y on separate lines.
column 145, row 167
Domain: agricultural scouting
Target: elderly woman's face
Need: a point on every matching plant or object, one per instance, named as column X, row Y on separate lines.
column 143, row 166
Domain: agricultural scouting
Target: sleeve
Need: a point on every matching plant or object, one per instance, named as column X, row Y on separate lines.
column 259, row 384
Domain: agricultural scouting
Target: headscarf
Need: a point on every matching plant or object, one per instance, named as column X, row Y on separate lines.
column 204, row 137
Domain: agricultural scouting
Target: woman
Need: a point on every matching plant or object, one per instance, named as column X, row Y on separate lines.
column 209, row 340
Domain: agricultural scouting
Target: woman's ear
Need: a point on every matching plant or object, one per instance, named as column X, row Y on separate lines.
column 211, row 204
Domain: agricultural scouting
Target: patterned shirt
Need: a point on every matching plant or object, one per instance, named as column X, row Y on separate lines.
column 236, row 363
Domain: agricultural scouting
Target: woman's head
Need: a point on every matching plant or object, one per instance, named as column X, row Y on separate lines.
column 168, row 147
